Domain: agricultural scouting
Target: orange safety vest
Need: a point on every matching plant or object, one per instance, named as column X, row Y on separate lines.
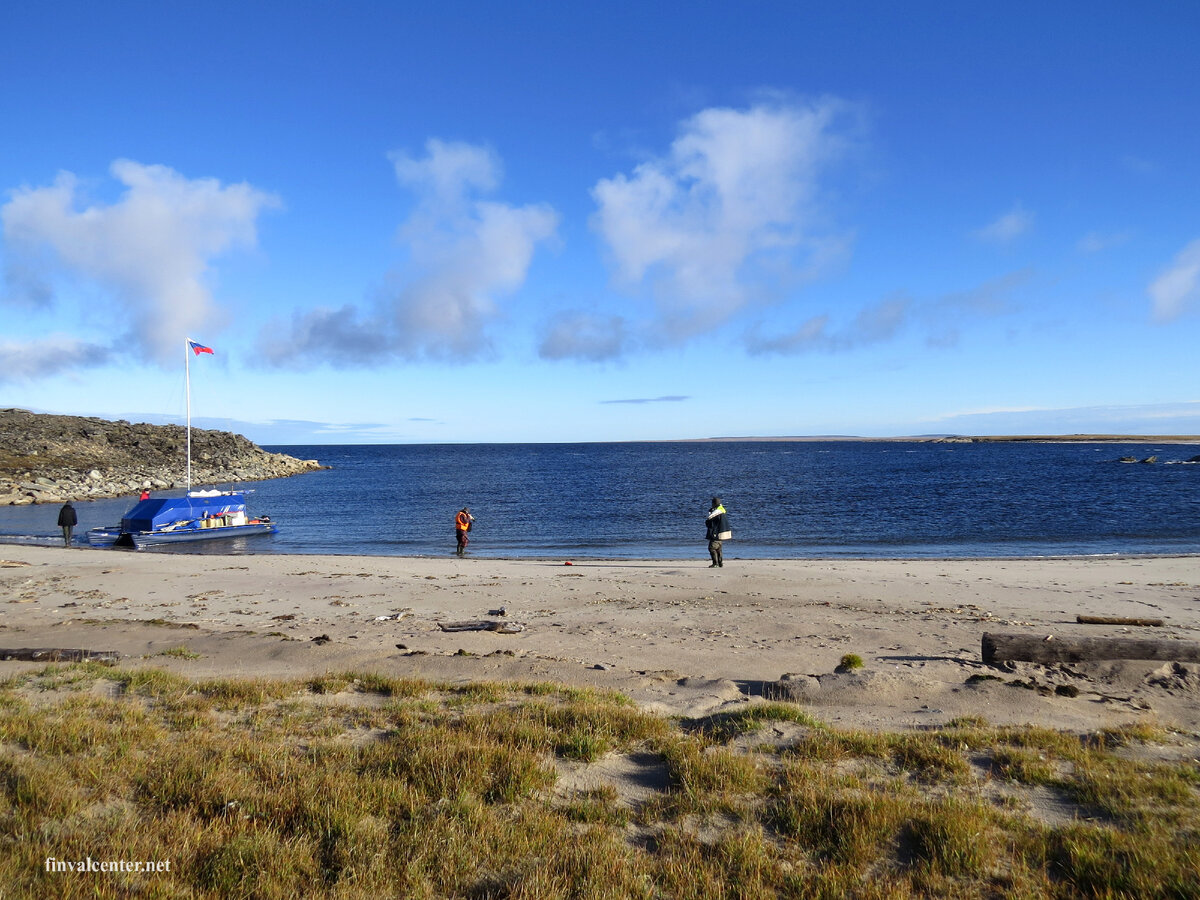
column 462, row 522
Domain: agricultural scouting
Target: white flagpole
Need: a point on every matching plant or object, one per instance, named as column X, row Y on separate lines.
column 187, row 377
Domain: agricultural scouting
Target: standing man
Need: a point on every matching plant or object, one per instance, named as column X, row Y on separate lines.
column 67, row 520
column 462, row 524
column 716, row 527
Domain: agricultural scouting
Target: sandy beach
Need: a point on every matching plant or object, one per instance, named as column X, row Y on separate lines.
column 675, row 636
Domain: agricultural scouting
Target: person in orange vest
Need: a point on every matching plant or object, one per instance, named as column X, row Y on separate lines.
column 462, row 524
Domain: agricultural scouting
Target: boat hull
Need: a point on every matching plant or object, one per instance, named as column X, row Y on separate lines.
column 180, row 535
column 104, row 537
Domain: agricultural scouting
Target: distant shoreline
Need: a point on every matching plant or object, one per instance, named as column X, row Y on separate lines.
column 965, row 439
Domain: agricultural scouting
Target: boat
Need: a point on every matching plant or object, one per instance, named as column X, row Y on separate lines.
column 196, row 516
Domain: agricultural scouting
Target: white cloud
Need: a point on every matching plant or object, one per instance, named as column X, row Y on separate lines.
column 464, row 255
column 1007, row 227
column 582, row 335
column 729, row 216
column 939, row 317
column 50, row 356
column 873, row 324
column 449, row 171
column 151, row 250
column 1178, row 286
column 1097, row 242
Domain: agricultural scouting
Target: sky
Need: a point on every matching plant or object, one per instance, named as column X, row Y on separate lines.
column 536, row 222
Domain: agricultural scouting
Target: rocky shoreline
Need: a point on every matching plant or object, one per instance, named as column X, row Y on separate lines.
column 50, row 458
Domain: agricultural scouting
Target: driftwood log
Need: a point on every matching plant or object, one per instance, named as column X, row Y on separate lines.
column 58, row 654
column 483, row 625
column 1056, row 649
column 1118, row 620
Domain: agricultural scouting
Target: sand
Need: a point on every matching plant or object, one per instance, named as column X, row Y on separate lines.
column 675, row 636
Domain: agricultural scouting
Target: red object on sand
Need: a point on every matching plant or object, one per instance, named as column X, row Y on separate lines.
column 568, row 563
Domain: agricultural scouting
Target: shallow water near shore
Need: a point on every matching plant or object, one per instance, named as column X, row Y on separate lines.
column 648, row 500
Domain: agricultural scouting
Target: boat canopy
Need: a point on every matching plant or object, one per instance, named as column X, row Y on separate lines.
column 159, row 512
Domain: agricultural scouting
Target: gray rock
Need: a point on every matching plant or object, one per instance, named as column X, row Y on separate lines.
column 793, row 688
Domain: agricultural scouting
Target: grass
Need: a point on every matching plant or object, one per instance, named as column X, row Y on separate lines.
column 850, row 662
column 363, row 785
column 179, row 653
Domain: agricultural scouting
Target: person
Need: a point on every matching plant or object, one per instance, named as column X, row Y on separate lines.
column 145, row 494
column 716, row 527
column 462, row 524
column 67, row 520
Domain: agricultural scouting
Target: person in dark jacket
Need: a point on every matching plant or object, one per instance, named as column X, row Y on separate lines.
column 67, row 520
column 716, row 528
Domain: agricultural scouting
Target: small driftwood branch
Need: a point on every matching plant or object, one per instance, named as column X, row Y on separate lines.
column 58, row 654
column 1056, row 649
column 1118, row 620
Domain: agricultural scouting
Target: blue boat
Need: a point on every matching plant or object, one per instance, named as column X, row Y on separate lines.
column 196, row 516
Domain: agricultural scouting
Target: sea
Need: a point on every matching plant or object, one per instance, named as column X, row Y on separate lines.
column 648, row 500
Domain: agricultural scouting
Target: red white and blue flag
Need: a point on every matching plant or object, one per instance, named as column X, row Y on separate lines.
column 198, row 348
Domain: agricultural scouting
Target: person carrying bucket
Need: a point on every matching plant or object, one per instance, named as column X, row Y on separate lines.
column 462, row 524
column 716, row 528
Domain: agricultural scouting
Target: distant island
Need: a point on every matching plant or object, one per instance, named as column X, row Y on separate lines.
column 48, row 458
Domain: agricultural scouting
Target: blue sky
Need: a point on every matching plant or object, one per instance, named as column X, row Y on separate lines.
column 550, row 222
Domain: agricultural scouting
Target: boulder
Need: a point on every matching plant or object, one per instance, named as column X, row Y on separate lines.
column 793, row 688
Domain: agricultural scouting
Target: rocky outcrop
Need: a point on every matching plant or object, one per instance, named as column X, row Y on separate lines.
column 49, row 459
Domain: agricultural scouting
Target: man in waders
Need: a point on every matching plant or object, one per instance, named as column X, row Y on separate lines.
column 462, row 524
column 716, row 528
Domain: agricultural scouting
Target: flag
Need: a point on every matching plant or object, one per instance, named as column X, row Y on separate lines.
column 198, row 348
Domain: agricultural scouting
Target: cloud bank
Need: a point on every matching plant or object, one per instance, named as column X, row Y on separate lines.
column 464, row 255
column 939, row 319
column 586, row 336
column 151, row 251
column 875, row 323
column 1178, row 286
column 729, row 216
column 45, row 358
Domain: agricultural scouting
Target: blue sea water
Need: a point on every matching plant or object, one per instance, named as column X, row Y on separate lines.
column 649, row 500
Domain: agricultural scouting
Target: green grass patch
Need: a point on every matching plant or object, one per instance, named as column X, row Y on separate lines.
column 179, row 653
column 258, row 788
column 850, row 662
